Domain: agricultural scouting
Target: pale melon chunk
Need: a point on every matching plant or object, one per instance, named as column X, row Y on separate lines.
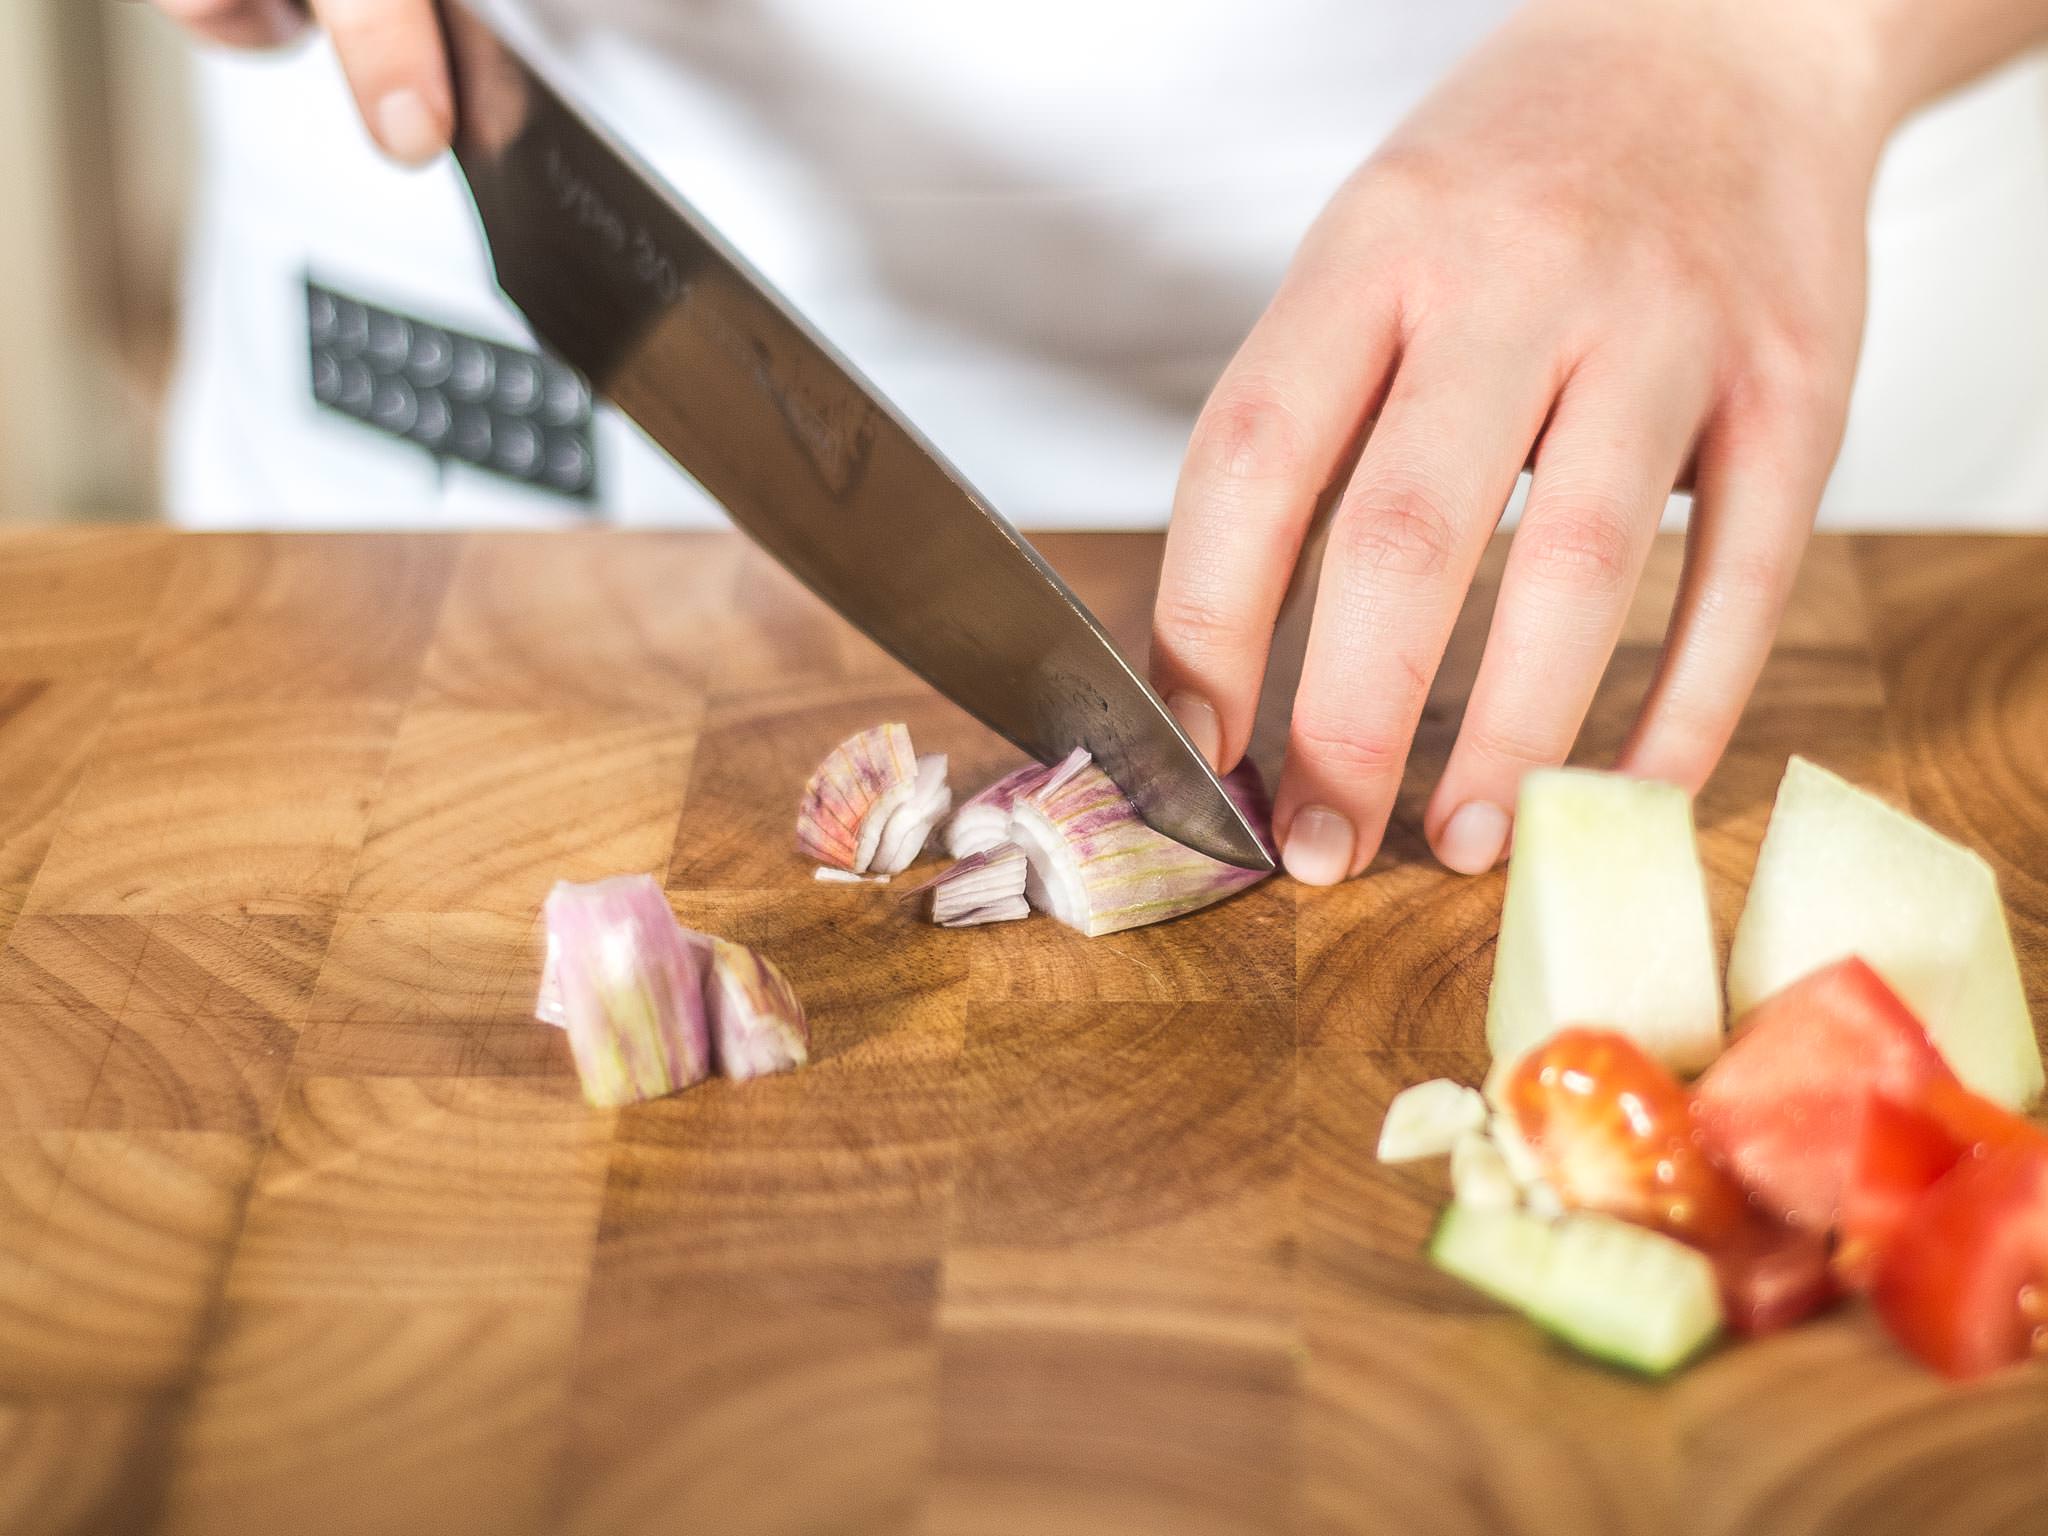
column 1842, row 873
column 1605, row 922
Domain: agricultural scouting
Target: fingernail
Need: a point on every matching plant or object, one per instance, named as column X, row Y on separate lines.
column 1198, row 719
column 407, row 130
column 1473, row 838
column 1319, row 844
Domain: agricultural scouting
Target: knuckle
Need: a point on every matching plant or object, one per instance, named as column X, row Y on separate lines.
column 1192, row 627
column 1342, row 750
column 1744, row 590
column 1551, row 230
column 1789, row 371
column 1684, row 742
column 1250, row 433
column 1515, row 745
column 1402, row 526
column 1591, row 543
column 1669, row 267
column 1405, row 173
column 1555, row 240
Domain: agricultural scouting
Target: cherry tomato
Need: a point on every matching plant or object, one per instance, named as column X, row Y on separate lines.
column 1611, row 1128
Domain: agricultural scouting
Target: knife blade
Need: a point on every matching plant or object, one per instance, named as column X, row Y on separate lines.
column 621, row 277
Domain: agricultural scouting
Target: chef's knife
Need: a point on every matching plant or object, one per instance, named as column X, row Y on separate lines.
column 625, row 280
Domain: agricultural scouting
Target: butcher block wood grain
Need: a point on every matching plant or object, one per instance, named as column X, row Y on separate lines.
column 304, row 1227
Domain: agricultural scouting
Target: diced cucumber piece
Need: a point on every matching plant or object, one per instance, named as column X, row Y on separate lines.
column 1427, row 1119
column 1618, row 1292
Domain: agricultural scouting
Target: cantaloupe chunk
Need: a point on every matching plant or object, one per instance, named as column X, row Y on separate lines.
column 1605, row 921
column 1842, row 873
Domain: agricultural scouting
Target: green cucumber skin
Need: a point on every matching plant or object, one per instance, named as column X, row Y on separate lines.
column 1594, row 1349
column 1447, row 1252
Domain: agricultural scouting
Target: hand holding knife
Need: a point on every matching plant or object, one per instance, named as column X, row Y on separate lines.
column 629, row 283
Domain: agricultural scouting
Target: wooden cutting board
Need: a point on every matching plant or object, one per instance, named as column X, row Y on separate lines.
column 303, row 1227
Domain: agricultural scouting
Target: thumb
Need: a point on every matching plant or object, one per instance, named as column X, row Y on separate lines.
column 397, row 68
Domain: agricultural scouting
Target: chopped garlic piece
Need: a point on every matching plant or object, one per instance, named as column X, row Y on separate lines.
column 1427, row 1120
column 1524, row 1167
column 1480, row 1179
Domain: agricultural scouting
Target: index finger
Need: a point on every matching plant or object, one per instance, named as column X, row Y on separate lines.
column 1430, row 487
column 1275, row 430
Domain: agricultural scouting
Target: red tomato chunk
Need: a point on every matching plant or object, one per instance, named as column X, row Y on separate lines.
column 1964, row 1283
column 1782, row 1109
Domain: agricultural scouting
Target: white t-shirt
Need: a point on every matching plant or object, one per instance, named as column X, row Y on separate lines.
column 1041, row 230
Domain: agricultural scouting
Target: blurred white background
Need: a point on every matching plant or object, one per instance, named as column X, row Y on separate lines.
column 98, row 145
column 97, row 156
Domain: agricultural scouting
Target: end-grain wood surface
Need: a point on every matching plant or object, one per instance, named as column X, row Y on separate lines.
column 304, row 1229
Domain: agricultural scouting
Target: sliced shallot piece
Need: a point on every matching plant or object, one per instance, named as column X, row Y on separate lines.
column 547, row 1007
column 1095, row 864
column 850, row 799
column 757, row 1024
column 909, row 825
column 985, row 887
column 984, row 820
column 627, row 985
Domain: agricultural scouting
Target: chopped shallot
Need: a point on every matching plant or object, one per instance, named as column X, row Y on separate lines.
column 909, row 826
column 628, row 988
column 1097, row 866
column 872, row 803
column 651, row 1006
column 985, row 887
column 1090, row 859
column 757, row 1024
column 984, row 821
